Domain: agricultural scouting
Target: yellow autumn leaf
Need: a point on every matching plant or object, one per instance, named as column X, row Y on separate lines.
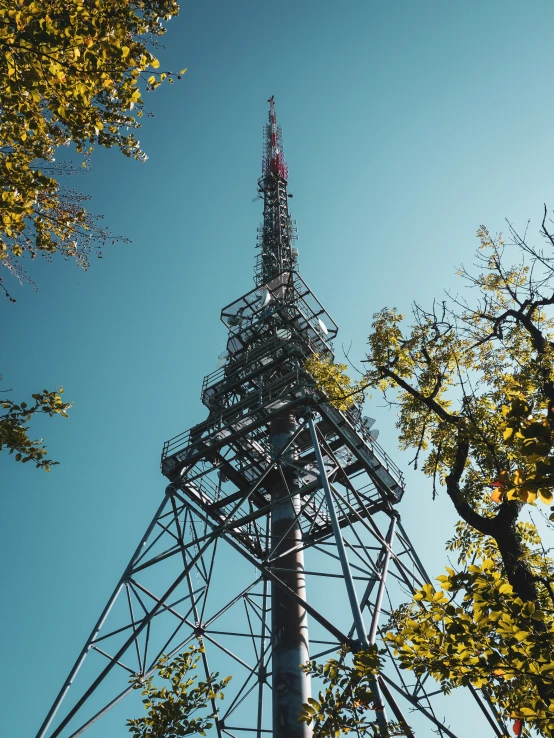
column 546, row 496
column 526, row 495
column 497, row 495
column 519, row 476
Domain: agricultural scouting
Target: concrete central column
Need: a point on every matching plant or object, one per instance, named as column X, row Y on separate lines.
column 289, row 622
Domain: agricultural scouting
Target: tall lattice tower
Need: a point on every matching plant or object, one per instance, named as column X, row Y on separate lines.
column 278, row 537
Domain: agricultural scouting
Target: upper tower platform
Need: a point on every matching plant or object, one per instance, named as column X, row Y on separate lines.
column 272, row 330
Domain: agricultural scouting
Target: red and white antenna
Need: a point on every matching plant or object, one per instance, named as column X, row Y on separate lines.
column 277, row 232
column 274, row 159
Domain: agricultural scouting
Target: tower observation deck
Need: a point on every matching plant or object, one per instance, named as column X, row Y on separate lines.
column 278, row 538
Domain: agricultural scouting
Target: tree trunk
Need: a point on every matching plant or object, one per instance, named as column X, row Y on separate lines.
column 513, row 558
column 502, row 528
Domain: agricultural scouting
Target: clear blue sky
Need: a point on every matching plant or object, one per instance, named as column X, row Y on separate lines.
column 406, row 125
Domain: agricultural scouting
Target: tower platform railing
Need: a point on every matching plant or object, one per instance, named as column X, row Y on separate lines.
column 285, row 395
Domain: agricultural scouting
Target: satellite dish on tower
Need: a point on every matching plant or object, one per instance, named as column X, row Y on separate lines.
column 323, row 327
column 368, row 423
column 223, row 355
column 266, row 299
column 284, row 334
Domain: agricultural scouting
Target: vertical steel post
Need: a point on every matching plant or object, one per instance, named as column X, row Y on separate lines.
column 289, row 623
column 384, row 572
column 380, row 715
column 261, row 669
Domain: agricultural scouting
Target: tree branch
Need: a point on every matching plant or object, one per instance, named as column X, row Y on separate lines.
column 428, row 401
column 463, row 508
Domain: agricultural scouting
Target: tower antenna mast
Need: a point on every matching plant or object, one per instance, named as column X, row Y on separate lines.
column 277, row 233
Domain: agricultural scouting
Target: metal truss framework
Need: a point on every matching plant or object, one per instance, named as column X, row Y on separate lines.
column 166, row 600
column 277, row 502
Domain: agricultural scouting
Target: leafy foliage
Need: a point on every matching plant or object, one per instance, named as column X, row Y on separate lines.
column 473, row 383
column 474, row 386
column 482, row 373
column 344, row 704
column 14, row 435
column 491, row 640
column 172, row 710
column 333, row 380
column 70, row 74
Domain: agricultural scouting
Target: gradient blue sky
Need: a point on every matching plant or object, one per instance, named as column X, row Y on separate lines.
column 406, row 125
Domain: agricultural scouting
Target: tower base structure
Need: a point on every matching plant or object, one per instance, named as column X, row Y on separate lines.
column 215, row 563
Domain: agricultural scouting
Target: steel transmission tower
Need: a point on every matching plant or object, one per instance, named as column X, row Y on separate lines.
column 278, row 537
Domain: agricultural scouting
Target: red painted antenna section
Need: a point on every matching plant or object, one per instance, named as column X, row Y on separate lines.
column 274, row 158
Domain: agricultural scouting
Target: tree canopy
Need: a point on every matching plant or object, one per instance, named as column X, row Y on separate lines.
column 71, row 72
column 473, row 383
column 474, row 388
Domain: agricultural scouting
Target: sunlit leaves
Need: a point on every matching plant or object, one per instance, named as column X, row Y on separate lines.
column 480, row 372
column 346, row 703
column 332, row 379
column 184, row 705
column 490, row 638
column 14, row 431
column 71, row 73
column 472, row 380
